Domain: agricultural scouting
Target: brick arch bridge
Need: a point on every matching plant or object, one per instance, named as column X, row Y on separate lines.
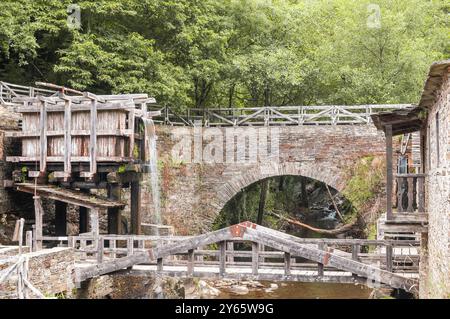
column 192, row 194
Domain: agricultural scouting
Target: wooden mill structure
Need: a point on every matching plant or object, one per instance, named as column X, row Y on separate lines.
column 75, row 144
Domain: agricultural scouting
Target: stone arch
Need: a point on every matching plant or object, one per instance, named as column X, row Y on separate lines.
column 328, row 175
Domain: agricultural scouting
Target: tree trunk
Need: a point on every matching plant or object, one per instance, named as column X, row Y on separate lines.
column 262, row 201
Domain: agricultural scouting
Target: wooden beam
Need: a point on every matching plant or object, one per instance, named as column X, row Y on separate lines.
column 389, row 174
column 38, row 221
column 43, row 137
column 93, row 139
column 287, row 264
column 320, row 266
column 190, row 265
column 222, row 258
column 255, row 258
column 67, row 139
column 135, row 208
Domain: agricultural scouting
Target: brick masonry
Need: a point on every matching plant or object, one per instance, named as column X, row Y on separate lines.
column 192, row 194
column 435, row 262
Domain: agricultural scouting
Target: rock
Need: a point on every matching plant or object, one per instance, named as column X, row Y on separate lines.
column 273, row 286
column 239, row 290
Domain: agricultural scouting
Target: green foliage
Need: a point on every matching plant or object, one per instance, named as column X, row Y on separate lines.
column 240, row 53
column 121, row 169
column 367, row 178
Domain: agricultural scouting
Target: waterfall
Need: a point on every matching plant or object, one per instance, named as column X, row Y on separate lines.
column 152, row 162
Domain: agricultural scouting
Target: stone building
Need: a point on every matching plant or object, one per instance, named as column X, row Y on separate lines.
column 430, row 118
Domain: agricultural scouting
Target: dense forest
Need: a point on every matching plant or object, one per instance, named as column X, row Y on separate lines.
column 228, row 53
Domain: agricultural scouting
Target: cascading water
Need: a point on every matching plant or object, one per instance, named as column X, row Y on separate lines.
column 152, row 162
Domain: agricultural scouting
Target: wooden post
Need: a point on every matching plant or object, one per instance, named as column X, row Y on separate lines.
column 38, row 217
column 389, row 253
column 130, row 246
column 389, row 175
column 410, row 207
column 100, row 247
column 255, row 258
column 114, row 214
column 420, row 194
column 21, row 224
column 93, row 139
column 29, row 240
column 112, row 245
column 159, row 264
column 83, row 245
column 135, row 207
column 355, row 253
column 94, row 222
column 230, row 248
column 190, row 265
column 287, row 264
column 60, row 218
column 43, row 137
column 320, row 267
column 222, row 259
column 67, row 138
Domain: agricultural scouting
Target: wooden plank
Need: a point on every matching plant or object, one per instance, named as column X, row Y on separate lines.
column 93, row 139
column 100, row 248
column 43, row 137
column 29, row 240
column 389, row 174
column 411, row 183
column 94, row 222
column 83, row 273
column 389, row 254
column 67, row 139
column 130, row 246
column 255, row 258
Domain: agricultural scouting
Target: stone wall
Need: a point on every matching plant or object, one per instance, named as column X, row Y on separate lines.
column 49, row 270
column 192, row 194
column 435, row 268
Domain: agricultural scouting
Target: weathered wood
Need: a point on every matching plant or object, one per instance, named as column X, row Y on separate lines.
column 29, row 240
column 287, row 264
column 410, row 207
column 230, row 250
column 389, row 174
column 93, row 139
column 135, row 208
column 43, row 137
column 67, row 139
column 60, row 218
column 420, row 194
column 38, row 217
column 320, row 266
column 130, row 246
column 190, row 265
column 222, row 257
column 100, row 248
column 389, row 255
column 83, row 273
column 255, row 258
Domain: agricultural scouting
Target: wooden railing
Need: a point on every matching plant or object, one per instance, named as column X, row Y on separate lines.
column 8, row 91
column 275, row 115
column 410, row 194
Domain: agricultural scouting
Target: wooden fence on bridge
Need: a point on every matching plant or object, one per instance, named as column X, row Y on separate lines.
column 275, row 115
column 250, row 251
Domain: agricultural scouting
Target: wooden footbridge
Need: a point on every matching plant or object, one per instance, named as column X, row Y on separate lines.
column 250, row 251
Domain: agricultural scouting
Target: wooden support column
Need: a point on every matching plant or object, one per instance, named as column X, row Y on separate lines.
column 93, row 139
column 255, row 258
column 320, row 267
column 190, row 265
column 38, row 217
column 114, row 214
column 355, row 253
column 389, row 174
column 135, row 207
column 230, row 248
column 94, row 222
column 60, row 218
column 389, row 255
column 43, row 137
column 100, row 248
column 222, row 258
column 287, row 264
column 67, row 139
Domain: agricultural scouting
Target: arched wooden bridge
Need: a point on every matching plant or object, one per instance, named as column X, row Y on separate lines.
column 384, row 262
